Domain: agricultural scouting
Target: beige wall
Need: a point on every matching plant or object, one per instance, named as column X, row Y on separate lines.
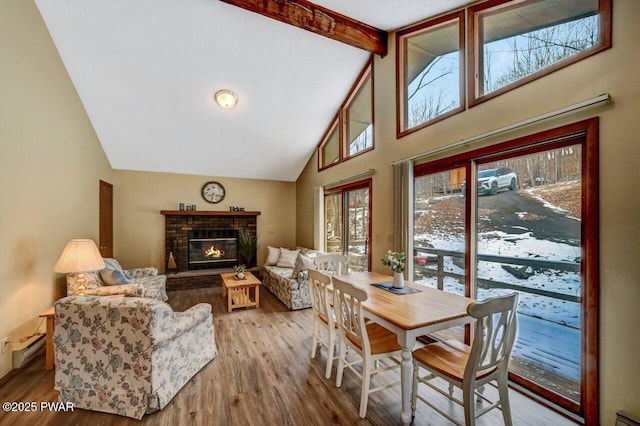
column 140, row 196
column 614, row 71
column 51, row 162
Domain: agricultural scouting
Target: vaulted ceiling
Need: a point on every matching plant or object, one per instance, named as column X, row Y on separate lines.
column 146, row 72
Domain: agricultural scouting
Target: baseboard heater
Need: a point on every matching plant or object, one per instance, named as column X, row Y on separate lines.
column 28, row 350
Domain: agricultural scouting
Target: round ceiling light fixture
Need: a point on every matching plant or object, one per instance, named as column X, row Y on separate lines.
column 226, row 98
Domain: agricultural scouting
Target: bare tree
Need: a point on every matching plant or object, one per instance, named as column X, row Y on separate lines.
column 539, row 49
column 430, row 105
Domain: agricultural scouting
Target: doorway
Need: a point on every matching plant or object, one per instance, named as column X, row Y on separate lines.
column 106, row 219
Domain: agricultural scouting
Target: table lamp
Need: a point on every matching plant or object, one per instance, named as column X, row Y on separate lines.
column 80, row 255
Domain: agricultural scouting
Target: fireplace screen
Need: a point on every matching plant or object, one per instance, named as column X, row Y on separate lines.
column 212, row 249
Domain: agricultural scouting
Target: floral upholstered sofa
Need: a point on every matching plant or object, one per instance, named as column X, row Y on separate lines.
column 287, row 277
column 128, row 355
column 141, row 282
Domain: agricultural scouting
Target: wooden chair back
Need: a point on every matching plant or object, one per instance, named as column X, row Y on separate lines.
column 349, row 312
column 319, row 284
column 333, row 263
column 495, row 332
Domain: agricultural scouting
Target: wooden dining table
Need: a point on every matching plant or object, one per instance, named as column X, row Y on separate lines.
column 410, row 316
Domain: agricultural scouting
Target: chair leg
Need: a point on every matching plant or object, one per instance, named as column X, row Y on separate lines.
column 341, row 361
column 503, row 392
column 316, row 341
column 330, row 349
column 469, row 404
column 414, row 388
column 366, row 384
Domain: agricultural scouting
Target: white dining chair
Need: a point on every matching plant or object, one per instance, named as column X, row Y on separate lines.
column 371, row 341
column 325, row 328
column 356, row 263
column 332, row 263
column 471, row 368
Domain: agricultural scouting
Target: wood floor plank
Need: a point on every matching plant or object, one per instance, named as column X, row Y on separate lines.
column 262, row 376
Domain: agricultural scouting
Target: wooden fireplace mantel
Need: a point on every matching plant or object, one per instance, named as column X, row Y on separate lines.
column 206, row 213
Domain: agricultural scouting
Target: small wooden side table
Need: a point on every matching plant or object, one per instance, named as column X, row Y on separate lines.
column 49, row 314
column 238, row 291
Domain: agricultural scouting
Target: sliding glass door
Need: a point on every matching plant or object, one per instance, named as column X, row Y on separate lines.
column 528, row 231
column 348, row 223
column 439, row 235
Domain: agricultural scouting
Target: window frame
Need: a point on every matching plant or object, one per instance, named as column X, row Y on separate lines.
column 401, row 95
column 365, row 75
column 588, row 130
column 470, row 73
column 475, row 52
column 340, row 120
column 325, row 139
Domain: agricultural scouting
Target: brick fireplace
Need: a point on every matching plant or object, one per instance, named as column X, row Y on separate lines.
column 217, row 226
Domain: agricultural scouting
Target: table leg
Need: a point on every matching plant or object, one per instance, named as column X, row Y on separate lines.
column 257, row 294
column 406, row 378
column 49, row 343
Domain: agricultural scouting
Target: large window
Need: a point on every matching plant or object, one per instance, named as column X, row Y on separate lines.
column 431, row 61
column 522, row 217
column 506, row 43
column 516, row 43
column 347, row 215
column 351, row 132
column 359, row 118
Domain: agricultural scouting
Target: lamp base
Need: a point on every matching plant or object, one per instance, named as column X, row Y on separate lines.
column 80, row 279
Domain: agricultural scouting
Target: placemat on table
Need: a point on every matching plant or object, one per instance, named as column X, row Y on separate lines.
column 388, row 286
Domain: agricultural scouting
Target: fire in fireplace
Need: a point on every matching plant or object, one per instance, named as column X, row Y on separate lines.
column 212, row 249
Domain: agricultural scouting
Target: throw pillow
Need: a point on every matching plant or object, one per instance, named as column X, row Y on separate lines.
column 309, row 263
column 302, row 264
column 287, row 258
column 112, row 264
column 114, row 277
column 273, row 256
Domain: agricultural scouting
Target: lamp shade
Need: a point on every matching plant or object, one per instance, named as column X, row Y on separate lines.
column 79, row 256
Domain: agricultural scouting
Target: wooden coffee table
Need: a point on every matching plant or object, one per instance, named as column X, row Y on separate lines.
column 238, row 292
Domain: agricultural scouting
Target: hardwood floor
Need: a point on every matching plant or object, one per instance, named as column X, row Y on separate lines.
column 263, row 375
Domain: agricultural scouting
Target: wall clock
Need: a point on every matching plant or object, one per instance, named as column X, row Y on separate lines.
column 213, row 192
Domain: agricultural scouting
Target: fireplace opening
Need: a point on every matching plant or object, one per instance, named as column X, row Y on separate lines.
column 210, row 249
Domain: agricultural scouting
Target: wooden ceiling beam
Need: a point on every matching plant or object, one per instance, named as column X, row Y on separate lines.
column 311, row 17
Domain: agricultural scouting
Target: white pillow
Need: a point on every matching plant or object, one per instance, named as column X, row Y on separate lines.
column 308, row 263
column 114, row 277
column 302, row 264
column 273, row 256
column 287, row 258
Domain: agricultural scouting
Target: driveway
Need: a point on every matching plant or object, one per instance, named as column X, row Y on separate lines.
column 513, row 213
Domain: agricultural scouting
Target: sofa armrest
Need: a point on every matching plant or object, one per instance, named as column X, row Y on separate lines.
column 167, row 325
column 140, row 272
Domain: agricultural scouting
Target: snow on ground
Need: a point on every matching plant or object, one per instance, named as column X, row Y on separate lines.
column 549, row 334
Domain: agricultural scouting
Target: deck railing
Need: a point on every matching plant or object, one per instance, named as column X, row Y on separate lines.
column 440, row 273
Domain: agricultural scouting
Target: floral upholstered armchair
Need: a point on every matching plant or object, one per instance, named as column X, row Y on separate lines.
column 128, row 355
column 141, row 282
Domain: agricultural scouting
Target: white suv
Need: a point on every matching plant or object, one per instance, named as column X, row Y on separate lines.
column 490, row 181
